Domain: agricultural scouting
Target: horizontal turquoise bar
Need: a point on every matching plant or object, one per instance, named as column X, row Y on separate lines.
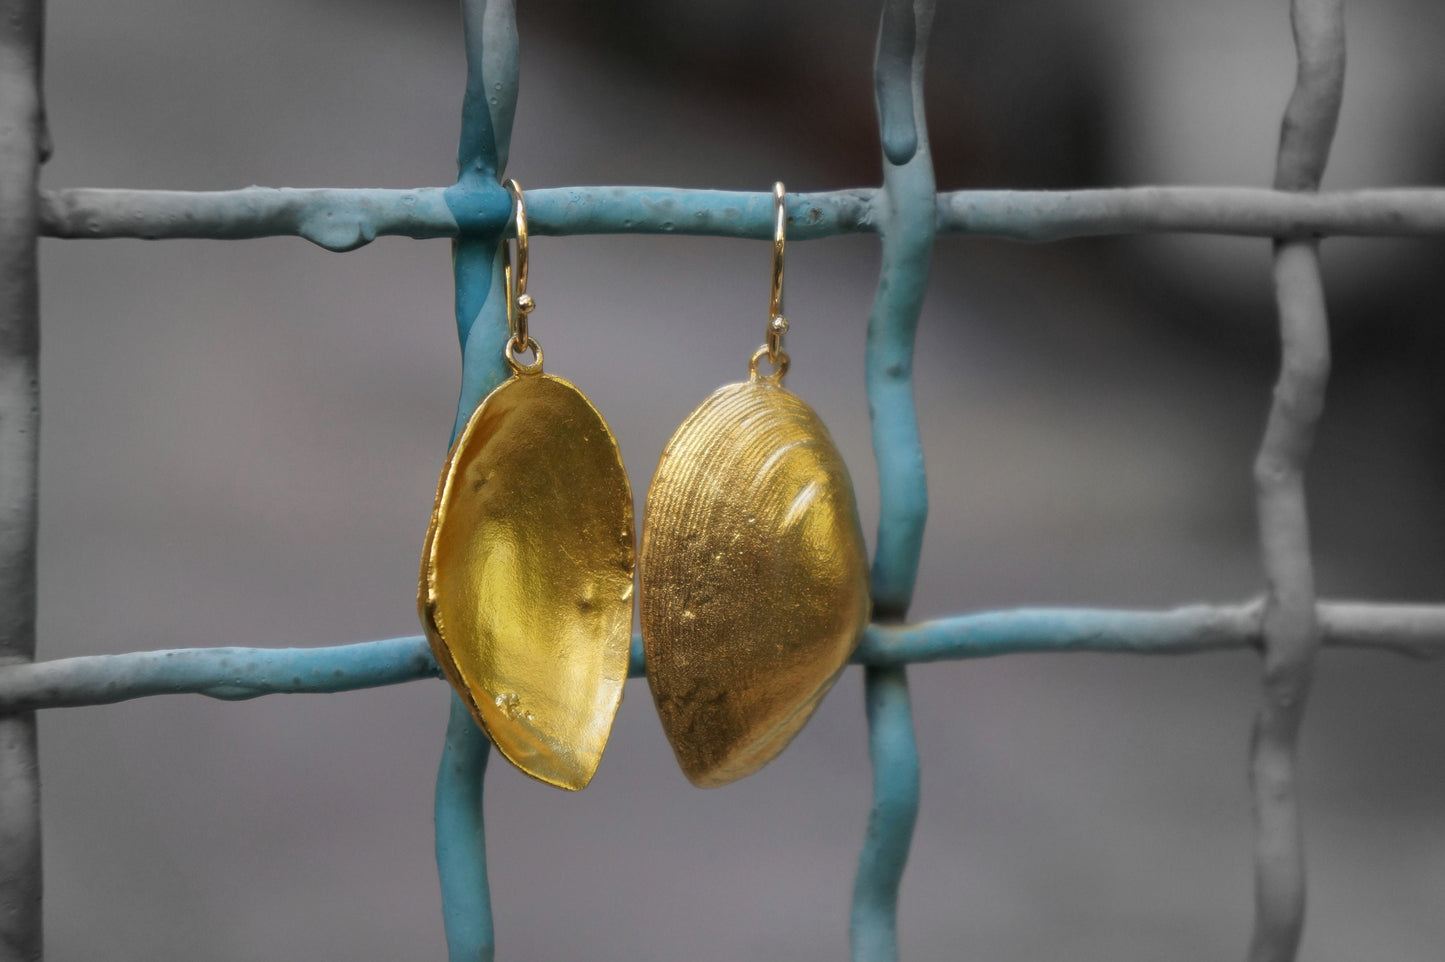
column 240, row 673
column 342, row 219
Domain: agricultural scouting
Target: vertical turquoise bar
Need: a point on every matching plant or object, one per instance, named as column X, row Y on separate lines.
column 481, row 207
column 905, row 213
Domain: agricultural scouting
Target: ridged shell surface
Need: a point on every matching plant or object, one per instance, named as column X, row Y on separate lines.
column 754, row 578
column 526, row 578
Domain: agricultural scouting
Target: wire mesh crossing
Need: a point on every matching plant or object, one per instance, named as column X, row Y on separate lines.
column 1288, row 625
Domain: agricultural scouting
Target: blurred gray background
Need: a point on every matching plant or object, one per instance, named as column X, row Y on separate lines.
column 242, row 439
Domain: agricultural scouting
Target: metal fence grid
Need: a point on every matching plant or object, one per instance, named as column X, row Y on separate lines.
column 1288, row 625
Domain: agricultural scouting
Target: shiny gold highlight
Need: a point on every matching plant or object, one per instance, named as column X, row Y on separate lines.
column 527, row 573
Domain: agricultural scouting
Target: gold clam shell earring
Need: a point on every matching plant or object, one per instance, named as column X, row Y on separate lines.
column 753, row 568
column 527, row 571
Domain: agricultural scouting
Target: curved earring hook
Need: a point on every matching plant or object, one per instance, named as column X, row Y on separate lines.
column 519, row 302
column 777, row 323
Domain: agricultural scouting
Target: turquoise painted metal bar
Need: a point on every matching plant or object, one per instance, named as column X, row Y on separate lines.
column 710, row 213
column 230, row 674
column 461, row 839
column 480, row 204
column 343, row 219
column 234, row 674
column 893, row 752
column 905, row 211
column 338, row 219
column 906, row 224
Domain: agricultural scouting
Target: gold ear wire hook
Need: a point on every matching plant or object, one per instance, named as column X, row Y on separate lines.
column 519, row 302
column 777, row 323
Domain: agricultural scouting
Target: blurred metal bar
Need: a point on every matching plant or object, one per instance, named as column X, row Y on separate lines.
column 488, row 107
column 1041, row 215
column 230, row 674
column 338, row 219
column 235, row 674
column 23, row 143
column 343, row 219
column 1196, row 628
column 905, row 211
column 1292, row 631
column 1414, row 630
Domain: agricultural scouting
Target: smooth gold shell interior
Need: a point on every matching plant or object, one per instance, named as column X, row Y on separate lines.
column 754, row 578
column 526, row 577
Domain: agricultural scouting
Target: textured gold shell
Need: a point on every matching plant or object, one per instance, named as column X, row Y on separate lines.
column 754, row 578
column 526, row 576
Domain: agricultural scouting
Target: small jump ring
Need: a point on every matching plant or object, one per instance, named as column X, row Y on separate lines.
column 510, row 351
column 779, row 361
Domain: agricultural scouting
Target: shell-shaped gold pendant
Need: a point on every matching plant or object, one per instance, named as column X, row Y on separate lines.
column 526, row 576
column 754, row 578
